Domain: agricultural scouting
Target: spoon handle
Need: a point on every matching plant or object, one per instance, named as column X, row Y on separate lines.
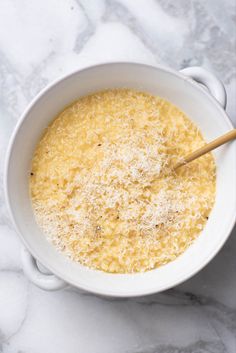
column 231, row 135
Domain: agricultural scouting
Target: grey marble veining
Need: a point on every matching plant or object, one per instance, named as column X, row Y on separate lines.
column 41, row 41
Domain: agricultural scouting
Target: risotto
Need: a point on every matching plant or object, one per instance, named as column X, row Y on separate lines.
column 102, row 188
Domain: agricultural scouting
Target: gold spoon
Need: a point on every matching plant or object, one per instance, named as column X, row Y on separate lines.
column 231, row 135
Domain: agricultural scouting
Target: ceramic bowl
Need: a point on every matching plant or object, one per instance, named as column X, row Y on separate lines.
column 195, row 91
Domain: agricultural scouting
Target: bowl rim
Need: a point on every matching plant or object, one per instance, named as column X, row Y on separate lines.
column 136, row 293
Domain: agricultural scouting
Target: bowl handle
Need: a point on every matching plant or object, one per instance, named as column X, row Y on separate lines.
column 210, row 81
column 41, row 277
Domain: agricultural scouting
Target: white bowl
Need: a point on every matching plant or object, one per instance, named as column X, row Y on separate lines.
column 204, row 106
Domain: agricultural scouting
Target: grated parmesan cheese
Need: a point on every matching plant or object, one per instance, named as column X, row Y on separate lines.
column 101, row 187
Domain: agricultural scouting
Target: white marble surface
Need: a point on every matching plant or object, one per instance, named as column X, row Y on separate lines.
column 42, row 40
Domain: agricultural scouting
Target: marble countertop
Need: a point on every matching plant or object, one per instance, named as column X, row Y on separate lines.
column 43, row 40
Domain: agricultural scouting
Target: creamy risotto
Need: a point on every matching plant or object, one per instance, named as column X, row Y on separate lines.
column 102, row 187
